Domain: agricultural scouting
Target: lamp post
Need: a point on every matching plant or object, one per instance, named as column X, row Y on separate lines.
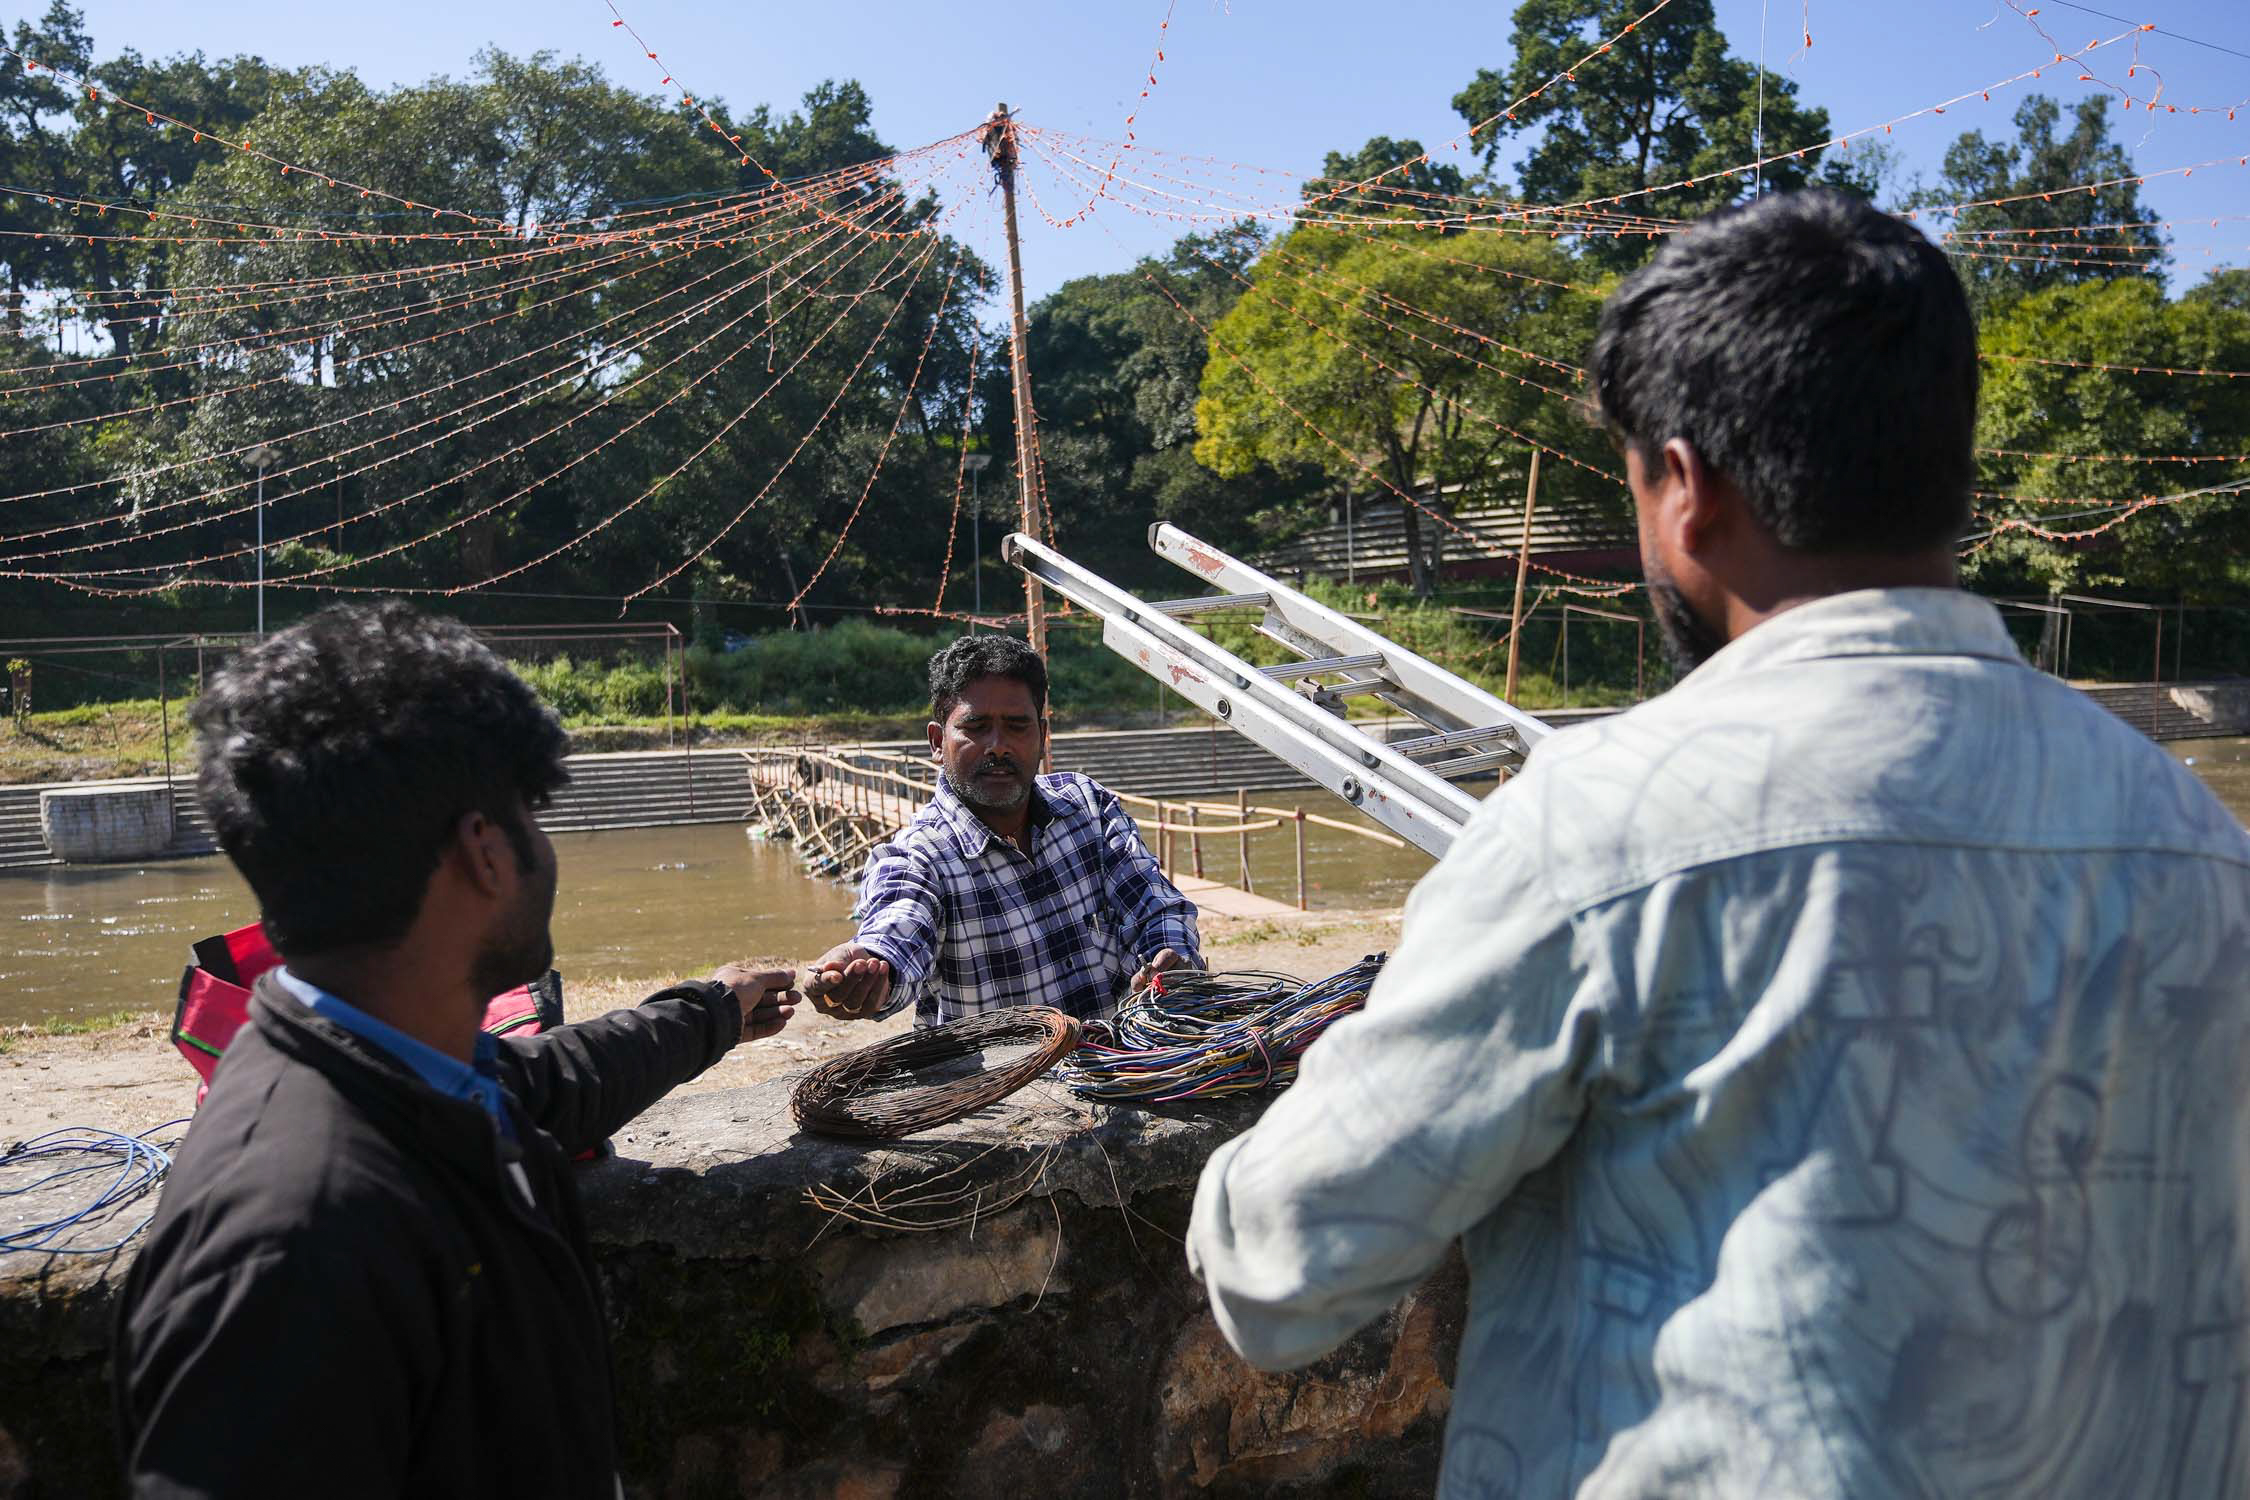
column 263, row 457
column 976, row 464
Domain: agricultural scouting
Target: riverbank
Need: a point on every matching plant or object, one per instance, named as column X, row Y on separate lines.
column 124, row 1075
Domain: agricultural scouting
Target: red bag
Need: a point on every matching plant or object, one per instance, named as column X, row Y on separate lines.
column 215, row 999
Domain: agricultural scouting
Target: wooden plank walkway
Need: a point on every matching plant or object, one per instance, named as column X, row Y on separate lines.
column 835, row 812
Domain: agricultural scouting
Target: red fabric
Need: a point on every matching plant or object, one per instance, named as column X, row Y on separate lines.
column 214, row 1006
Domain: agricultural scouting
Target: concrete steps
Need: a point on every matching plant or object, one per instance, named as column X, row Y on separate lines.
column 636, row 789
column 669, row 788
column 2153, row 709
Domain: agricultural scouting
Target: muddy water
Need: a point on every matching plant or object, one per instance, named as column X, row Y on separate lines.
column 642, row 903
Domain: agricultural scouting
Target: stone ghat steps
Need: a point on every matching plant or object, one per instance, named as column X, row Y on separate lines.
column 635, row 789
column 2153, row 709
column 1196, row 760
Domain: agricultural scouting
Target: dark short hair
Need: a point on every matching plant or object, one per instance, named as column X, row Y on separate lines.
column 338, row 756
column 974, row 656
column 1816, row 351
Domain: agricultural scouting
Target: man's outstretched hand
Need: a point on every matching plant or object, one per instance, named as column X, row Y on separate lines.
column 768, row 998
column 848, row 982
column 1164, row 961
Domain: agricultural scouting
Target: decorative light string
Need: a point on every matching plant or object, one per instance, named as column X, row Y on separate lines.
column 78, row 579
column 641, row 247
column 905, row 403
column 574, row 363
column 283, row 377
column 570, row 372
column 961, row 465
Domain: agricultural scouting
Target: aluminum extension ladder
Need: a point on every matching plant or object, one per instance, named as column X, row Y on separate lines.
column 1296, row 711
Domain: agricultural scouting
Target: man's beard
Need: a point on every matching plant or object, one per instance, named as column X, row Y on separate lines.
column 1688, row 641
column 520, row 948
column 969, row 790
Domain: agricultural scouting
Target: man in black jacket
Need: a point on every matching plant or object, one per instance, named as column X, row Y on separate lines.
column 369, row 1275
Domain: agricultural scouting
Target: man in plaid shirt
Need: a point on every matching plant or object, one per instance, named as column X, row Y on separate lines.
column 1010, row 888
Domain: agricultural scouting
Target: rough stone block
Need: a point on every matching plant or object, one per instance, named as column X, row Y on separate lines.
column 1000, row 1307
column 108, row 821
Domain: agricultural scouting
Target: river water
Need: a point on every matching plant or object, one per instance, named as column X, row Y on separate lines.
column 643, row 903
column 640, row 903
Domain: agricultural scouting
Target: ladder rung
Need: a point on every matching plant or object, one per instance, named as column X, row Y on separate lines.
column 1291, row 671
column 1358, row 687
column 1467, row 764
column 1452, row 737
column 1208, row 602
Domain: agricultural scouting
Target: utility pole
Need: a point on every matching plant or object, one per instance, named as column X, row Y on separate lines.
column 999, row 141
column 1523, row 566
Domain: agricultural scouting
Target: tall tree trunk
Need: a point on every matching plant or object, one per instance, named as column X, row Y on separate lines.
column 1417, row 570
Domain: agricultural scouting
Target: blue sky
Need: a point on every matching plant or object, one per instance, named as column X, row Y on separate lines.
column 1275, row 83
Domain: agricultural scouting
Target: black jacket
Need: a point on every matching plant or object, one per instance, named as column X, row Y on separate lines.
column 346, row 1291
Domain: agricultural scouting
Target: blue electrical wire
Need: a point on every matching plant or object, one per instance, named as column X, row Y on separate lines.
column 129, row 1166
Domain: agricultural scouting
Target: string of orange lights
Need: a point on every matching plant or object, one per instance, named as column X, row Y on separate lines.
column 688, row 239
column 704, row 550
column 570, row 372
column 1592, row 587
column 571, row 367
column 882, row 454
column 960, row 467
column 300, row 579
column 289, row 376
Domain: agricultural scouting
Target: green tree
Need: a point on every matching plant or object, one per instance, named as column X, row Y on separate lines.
column 1117, row 362
column 649, row 384
column 2031, row 405
column 2228, row 288
column 34, row 148
column 118, row 158
column 1665, row 103
column 1334, row 337
column 1409, row 180
column 2040, row 239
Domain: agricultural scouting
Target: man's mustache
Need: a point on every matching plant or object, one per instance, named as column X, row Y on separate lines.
column 1009, row 766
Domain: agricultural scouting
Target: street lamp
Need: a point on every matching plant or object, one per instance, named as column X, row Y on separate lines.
column 976, row 464
column 263, row 457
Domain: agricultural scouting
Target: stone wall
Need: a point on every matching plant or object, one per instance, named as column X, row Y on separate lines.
column 1001, row 1308
column 111, row 821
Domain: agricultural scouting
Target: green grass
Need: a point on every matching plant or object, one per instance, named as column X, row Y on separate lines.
column 75, row 1026
column 861, row 681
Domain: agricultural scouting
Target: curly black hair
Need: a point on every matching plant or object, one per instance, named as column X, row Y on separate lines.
column 974, row 656
column 338, row 756
column 1817, row 352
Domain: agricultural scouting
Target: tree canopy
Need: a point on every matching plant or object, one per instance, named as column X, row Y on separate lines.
column 1668, row 102
column 2120, row 525
column 1363, row 352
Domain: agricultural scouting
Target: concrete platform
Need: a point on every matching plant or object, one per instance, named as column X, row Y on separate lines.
column 1215, row 899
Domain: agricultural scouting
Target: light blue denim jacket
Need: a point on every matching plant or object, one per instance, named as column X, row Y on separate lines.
column 1835, row 1070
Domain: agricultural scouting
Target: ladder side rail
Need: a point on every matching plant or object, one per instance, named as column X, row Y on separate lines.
column 1309, row 619
column 1362, row 770
column 1406, row 806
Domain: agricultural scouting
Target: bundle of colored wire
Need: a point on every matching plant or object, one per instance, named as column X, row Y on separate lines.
column 894, row 1087
column 1194, row 1035
column 81, row 1176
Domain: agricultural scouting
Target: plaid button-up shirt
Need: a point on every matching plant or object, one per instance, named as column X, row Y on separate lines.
column 970, row 923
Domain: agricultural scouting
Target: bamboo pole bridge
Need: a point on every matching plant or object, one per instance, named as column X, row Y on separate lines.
column 836, row 807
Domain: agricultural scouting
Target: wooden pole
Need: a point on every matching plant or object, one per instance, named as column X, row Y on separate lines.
column 1242, row 832
column 1195, row 842
column 999, row 141
column 1300, row 824
column 1523, row 567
